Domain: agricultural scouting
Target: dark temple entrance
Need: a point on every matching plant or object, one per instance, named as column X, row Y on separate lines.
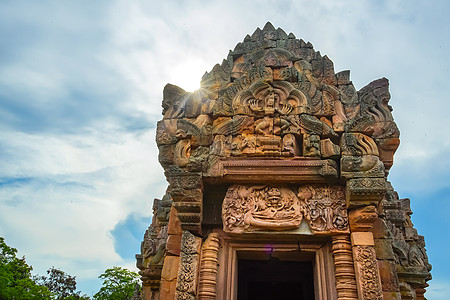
column 274, row 279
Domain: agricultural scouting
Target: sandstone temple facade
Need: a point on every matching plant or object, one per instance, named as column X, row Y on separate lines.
column 277, row 171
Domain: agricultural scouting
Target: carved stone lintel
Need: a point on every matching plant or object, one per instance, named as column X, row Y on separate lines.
column 208, row 268
column 264, row 170
column 344, row 268
column 187, row 272
column 367, row 273
column 249, row 208
column 264, row 207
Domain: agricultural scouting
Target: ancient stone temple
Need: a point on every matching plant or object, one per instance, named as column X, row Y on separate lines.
column 277, row 171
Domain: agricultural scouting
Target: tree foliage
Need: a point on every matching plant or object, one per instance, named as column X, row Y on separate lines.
column 118, row 284
column 17, row 283
column 15, row 277
column 60, row 284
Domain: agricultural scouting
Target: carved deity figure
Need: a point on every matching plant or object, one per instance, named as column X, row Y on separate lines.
column 260, row 208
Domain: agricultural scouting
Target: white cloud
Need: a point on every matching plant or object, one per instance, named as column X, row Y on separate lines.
column 76, row 191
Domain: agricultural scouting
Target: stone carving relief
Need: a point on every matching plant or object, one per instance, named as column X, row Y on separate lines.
column 188, row 269
column 270, row 207
column 324, row 207
column 264, row 207
column 367, row 272
column 153, row 247
column 278, row 97
column 264, row 99
column 413, row 267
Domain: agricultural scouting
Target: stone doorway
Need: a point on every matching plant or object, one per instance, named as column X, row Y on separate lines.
column 253, row 269
column 275, row 279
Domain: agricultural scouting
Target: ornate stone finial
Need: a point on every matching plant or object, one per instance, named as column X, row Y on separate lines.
column 268, row 27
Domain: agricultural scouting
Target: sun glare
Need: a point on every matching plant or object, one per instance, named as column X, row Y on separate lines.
column 188, row 74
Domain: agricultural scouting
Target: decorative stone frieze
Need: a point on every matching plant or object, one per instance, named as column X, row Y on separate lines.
column 268, row 207
column 264, row 207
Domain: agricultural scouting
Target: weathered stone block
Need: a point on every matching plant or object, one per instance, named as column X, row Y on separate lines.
column 380, row 231
column 173, row 245
column 387, row 148
column 170, row 269
column 174, row 223
column 392, row 296
column 328, row 149
column 389, row 279
column 383, row 248
column 362, row 239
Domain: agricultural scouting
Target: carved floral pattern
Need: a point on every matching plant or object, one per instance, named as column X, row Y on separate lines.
column 367, row 268
column 187, row 272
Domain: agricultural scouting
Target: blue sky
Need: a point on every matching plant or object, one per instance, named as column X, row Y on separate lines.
column 81, row 88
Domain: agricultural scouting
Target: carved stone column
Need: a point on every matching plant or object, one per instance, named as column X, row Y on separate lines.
column 188, row 269
column 366, row 266
column 208, row 268
column 344, row 269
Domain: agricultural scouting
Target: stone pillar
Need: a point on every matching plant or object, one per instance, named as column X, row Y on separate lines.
column 188, row 268
column 208, row 268
column 366, row 267
column 172, row 260
column 344, row 269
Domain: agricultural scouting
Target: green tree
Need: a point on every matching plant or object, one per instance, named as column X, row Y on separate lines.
column 118, row 284
column 60, row 284
column 15, row 277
